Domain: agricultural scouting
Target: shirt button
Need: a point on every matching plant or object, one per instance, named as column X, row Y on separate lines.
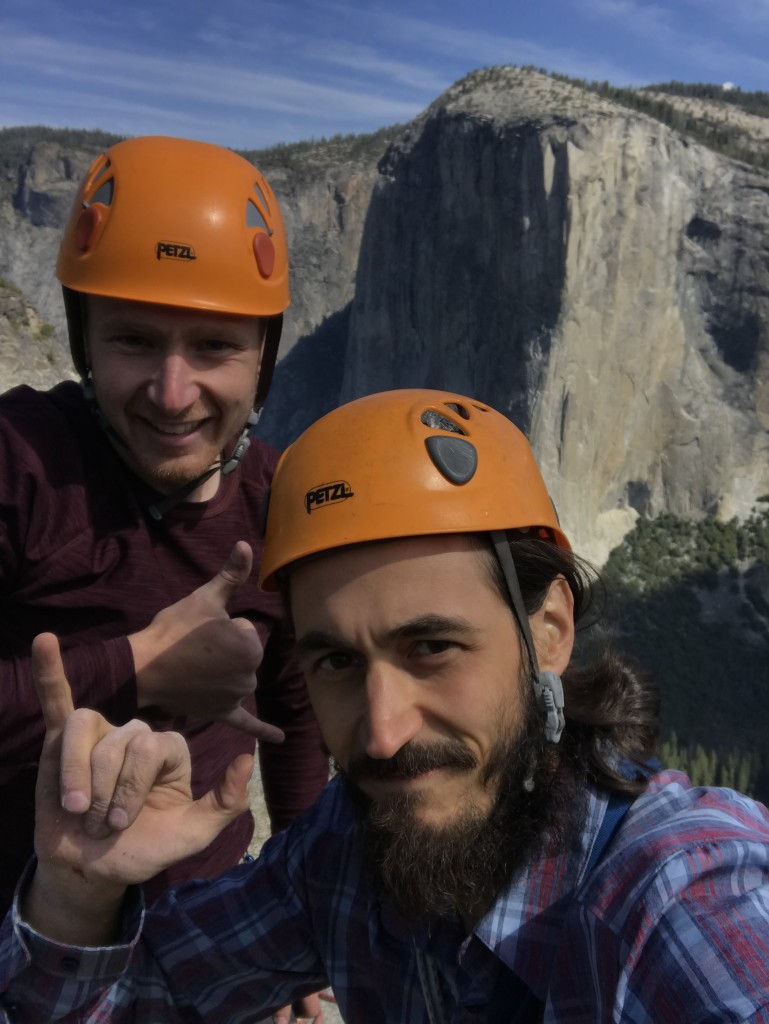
column 70, row 963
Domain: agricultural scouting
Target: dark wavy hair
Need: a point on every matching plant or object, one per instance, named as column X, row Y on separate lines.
column 612, row 707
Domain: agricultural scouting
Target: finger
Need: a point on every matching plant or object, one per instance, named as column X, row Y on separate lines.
column 151, row 759
column 308, row 1008
column 124, row 767
column 81, row 734
column 53, row 690
column 232, row 574
column 244, row 624
column 230, row 796
column 249, row 641
column 282, row 1016
column 242, row 720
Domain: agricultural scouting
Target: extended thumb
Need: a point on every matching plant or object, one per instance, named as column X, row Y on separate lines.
column 232, row 574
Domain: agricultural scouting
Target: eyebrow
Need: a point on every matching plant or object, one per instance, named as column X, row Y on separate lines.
column 118, row 325
column 421, row 626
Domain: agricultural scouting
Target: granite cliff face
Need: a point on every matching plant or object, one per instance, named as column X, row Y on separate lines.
column 593, row 274
column 582, row 267
column 36, row 190
column 29, row 351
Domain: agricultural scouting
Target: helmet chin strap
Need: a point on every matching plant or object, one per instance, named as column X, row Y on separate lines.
column 243, row 443
column 548, row 688
column 159, row 508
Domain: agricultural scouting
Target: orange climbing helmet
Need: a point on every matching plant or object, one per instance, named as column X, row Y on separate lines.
column 403, row 464
column 179, row 223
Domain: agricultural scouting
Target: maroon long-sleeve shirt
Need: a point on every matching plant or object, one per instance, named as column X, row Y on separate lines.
column 81, row 557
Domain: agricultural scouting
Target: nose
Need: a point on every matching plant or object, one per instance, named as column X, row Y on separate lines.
column 393, row 716
column 172, row 385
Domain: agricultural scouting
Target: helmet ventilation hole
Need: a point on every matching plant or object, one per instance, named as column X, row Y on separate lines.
column 254, row 218
column 437, row 421
column 103, row 193
column 262, row 199
column 458, row 409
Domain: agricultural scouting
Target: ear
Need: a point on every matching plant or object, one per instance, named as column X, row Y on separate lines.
column 552, row 626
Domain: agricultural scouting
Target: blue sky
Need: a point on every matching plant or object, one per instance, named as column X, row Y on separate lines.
column 247, row 73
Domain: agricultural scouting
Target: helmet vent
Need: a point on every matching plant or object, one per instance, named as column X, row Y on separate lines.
column 262, row 198
column 103, row 193
column 458, row 409
column 453, row 457
column 438, row 421
column 254, row 218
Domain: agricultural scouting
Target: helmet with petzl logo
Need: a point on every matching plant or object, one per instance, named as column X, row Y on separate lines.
column 403, row 464
column 179, row 223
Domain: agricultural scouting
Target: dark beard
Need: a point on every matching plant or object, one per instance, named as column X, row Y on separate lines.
column 460, row 868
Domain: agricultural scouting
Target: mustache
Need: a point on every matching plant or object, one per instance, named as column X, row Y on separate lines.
column 410, row 761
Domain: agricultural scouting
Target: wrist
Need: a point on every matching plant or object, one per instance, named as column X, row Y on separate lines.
column 65, row 905
column 139, row 645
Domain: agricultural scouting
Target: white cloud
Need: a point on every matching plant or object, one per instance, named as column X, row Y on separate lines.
column 636, row 16
column 463, row 50
column 365, row 59
column 173, row 80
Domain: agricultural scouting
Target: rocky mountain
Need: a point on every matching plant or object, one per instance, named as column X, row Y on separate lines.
column 590, row 270
column 29, row 351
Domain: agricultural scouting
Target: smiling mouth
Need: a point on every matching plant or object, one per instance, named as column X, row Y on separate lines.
column 175, row 429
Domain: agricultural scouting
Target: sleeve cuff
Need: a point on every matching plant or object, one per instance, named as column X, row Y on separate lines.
column 81, row 963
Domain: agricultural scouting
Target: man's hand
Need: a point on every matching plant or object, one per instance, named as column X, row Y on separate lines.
column 113, row 807
column 193, row 659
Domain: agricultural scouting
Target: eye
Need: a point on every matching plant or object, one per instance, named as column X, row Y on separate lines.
column 131, row 342
column 334, row 663
column 431, row 648
column 216, row 345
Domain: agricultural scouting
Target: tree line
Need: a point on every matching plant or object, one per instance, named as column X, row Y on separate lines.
column 688, row 599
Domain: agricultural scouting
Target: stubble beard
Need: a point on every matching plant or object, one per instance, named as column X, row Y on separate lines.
column 172, row 474
column 430, row 872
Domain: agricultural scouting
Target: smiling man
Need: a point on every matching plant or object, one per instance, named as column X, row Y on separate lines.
column 175, row 385
column 495, row 846
column 123, row 496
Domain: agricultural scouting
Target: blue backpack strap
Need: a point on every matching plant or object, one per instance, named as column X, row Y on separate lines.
column 616, row 809
column 521, row 1006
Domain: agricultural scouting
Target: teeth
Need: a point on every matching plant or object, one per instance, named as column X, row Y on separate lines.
column 176, row 428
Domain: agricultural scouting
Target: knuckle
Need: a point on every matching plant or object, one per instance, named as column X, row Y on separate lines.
column 176, row 741
column 83, row 720
column 106, row 761
column 230, row 577
column 143, row 747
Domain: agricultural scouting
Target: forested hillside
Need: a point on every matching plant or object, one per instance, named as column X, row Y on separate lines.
column 727, row 120
column 689, row 599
